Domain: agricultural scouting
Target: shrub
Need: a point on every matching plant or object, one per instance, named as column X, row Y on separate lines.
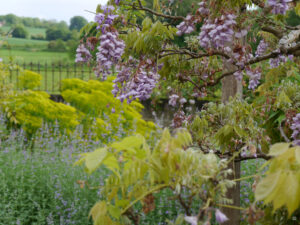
column 19, row 31
column 58, row 46
column 37, row 37
column 29, row 80
column 100, row 112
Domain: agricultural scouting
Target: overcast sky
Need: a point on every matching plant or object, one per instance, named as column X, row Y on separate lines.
column 50, row 9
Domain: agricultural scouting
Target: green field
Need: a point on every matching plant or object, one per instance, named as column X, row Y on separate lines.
column 34, row 55
column 31, row 30
column 23, row 44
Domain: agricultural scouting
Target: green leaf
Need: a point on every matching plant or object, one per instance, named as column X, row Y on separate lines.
column 278, row 149
column 297, row 9
column 111, row 163
column 297, row 154
column 129, row 143
column 99, row 210
column 114, row 211
column 266, row 186
column 94, row 159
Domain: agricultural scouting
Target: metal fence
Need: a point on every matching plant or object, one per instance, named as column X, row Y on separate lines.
column 52, row 74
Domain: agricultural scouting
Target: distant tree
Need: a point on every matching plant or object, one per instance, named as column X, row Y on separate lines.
column 55, row 32
column 57, row 46
column 19, row 31
column 12, row 19
column 77, row 22
column 37, row 37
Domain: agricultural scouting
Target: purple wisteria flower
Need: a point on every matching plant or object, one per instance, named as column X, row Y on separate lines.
column 296, row 129
column 279, row 6
column 191, row 220
column 203, row 9
column 173, row 100
column 255, row 76
column 261, row 48
column 218, row 32
column 139, row 87
column 182, row 101
column 106, row 18
column 109, row 52
column 220, row 217
column 279, row 60
column 82, row 54
column 186, row 27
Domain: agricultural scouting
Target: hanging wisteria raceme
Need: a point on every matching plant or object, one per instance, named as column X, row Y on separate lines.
column 122, row 77
column 110, row 51
column 261, row 48
column 296, row 129
column 203, row 10
column 254, row 77
column 138, row 85
column 218, row 32
column 186, row 27
column 279, row 6
column 173, row 100
column 277, row 61
column 106, row 18
column 82, row 54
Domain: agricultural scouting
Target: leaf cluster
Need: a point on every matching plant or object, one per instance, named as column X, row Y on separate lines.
column 138, row 171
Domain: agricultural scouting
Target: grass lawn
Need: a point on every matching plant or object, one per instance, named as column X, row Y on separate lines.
column 35, row 56
column 31, row 30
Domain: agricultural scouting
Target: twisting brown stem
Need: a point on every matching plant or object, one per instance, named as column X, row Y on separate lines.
column 184, row 205
column 141, row 7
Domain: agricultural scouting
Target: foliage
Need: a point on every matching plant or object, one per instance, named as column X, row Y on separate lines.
column 37, row 37
column 57, row 46
column 228, row 126
column 138, row 171
column 100, row 112
column 29, row 80
column 281, row 185
column 45, row 187
column 220, row 44
column 54, row 33
column 19, row 32
column 77, row 22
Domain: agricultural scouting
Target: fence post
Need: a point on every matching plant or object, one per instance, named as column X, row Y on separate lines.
column 89, row 72
column 39, row 71
column 46, row 78
column 67, row 67
column 52, row 77
column 75, row 66
column 59, row 76
column 82, row 72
